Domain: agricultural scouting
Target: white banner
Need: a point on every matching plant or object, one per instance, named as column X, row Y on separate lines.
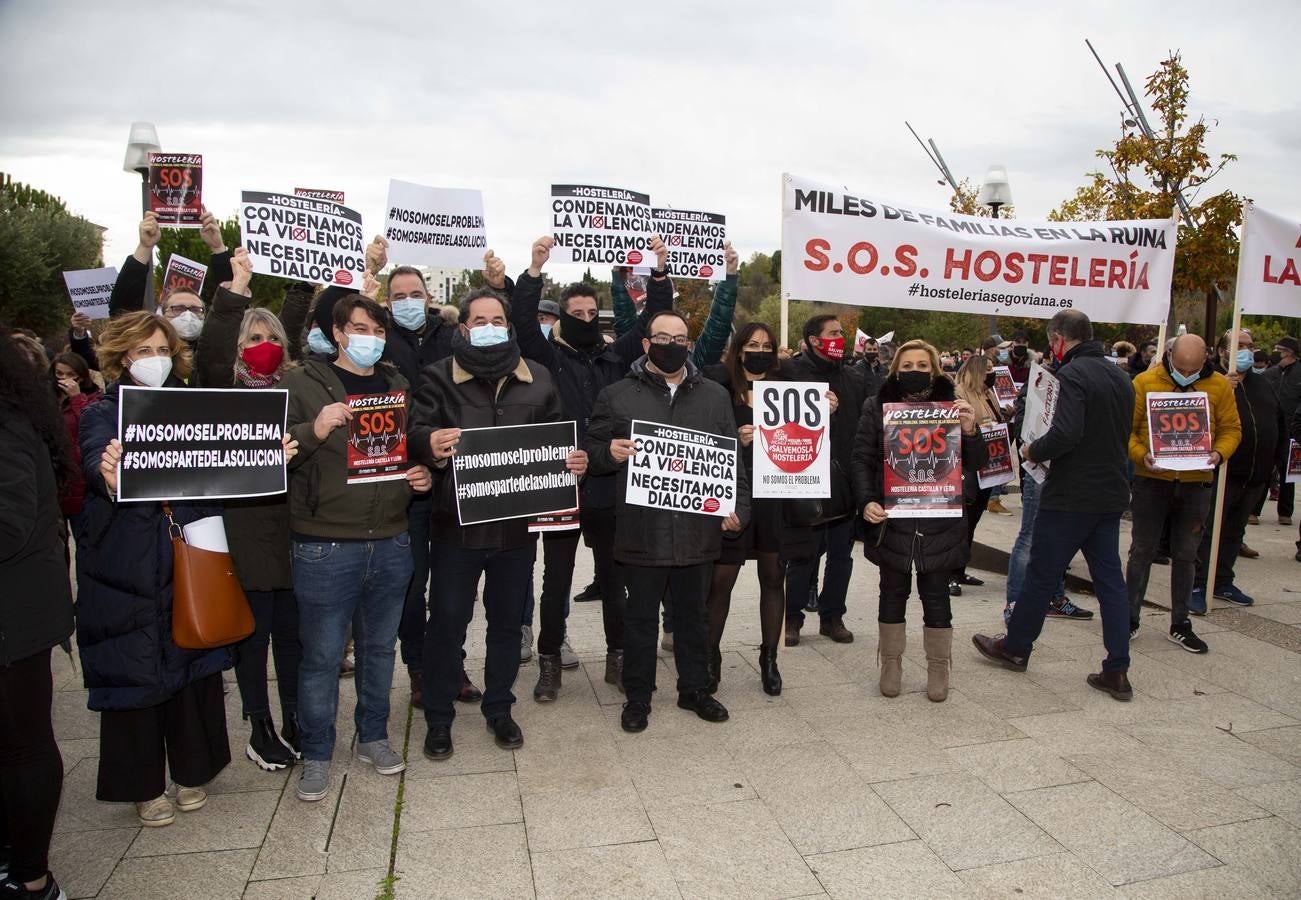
column 605, row 226
column 1040, row 407
column 430, row 226
column 1269, row 264
column 695, row 241
column 89, row 290
column 845, row 248
column 682, row 470
column 792, row 455
column 302, row 239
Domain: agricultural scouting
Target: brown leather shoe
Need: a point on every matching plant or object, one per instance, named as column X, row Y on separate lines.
column 1114, row 683
column 417, row 697
column 995, row 650
column 836, row 630
column 792, row 632
column 468, row 692
column 1247, row 552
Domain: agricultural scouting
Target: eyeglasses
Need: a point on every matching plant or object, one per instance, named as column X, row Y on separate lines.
column 664, row 340
column 173, row 312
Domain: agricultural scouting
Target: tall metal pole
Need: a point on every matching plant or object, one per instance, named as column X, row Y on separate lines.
column 992, row 322
column 150, row 301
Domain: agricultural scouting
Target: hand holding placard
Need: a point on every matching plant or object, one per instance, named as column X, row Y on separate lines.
column 149, row 235
column 210, row 231
column 241, row 268
column 494, row 270
column 420, row 479
column 731, row 257
column 875, row 513
column 442, row 443
column 661, row 253
column 329, row 418
column 376, row 254
column 541, row 253
column 369, row 286
column 108, row 464
column 966, row 416
column 621, row 449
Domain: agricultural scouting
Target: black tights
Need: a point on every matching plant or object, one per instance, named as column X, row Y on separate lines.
column 932, row 588
column 772, row 599
column 31, row 770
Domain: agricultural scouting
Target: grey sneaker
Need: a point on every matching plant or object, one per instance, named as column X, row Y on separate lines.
column 380, row 755
column 314, row 782
column 568, row 658
column 526, row 644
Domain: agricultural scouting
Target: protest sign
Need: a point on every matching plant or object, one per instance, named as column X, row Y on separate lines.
column 90, row 289
column 923, row 460
column 682, row 470
column 187, row 443
column 561, row 521
column 1293, row 462
column 377, row 437
column 694, row 240
column 430, row 226
column 609, row 226
column 846, row 248
column 1179, row 430
column 302, row 239
column 860, row 340
column 183, row 275
column 319, row 194
column 514, row 472
column 1269, row 266
column 999, row 469
column 1005, row 388
column 1040, row 406
column 176, row 189
column 792, row 456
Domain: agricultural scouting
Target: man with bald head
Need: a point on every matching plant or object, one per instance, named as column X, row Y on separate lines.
column 1185, row 497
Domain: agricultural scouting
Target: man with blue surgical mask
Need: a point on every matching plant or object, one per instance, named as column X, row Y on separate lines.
column 548, row 316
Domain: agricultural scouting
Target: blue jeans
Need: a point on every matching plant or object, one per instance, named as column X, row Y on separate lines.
column 359, row 582
column 1020, row 556
column 1058, row 536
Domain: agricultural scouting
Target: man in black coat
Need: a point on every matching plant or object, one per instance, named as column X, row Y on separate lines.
column 1286, row 380
column 1086, row 490
column 664, row 551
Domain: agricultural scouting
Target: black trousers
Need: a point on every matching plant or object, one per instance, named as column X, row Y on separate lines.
column 31, row 770
column 558, row 551
column 275, row 614
column 186, row 734
column 647, row 588
column 1239, row 500
column 932, row 587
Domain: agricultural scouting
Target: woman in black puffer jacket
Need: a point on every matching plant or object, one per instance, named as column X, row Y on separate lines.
column 933, row 546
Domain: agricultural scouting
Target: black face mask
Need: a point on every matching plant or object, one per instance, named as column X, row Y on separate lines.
column 914, row 382
column 871, row 357
column 989, row 380
column 757, row 362
column 668, row 358
column 579, row 333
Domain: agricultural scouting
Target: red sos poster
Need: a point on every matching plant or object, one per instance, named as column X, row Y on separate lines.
column 1000, row 469
column 377, row 437
column 1004, row 386
column 1179, row 430
column 1294, row 462
column 923, row 460
column 176, row 189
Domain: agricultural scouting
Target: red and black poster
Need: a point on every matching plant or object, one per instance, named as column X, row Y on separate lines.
column 377, row 437
column 183, row 275
column 1293, row 462
column 1000, row 468
column 176, row 189
column 1179, row 430
column 1004, row 386
column 923, row 460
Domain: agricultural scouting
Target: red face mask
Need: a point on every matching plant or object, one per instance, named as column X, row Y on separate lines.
column 1058, row 348
column 264, row 358
column 833, row 348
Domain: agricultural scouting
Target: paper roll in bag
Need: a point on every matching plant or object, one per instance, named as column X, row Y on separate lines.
column 207, row 534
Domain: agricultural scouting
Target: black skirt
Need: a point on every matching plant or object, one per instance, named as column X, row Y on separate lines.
column 761, row 535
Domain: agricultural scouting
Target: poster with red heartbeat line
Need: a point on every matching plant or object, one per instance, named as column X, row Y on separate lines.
column 923, row 460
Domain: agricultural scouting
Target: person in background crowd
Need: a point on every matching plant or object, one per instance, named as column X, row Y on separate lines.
column 1260, row 362
column 80, row 340
column 161, row 707
column 990, row 349
column 485, row 383
column 664, row 552
column 1285, row 377
column 76, row 390
column 871, row 368
column 1295, row 428
column 974, row 386
column 1141, row 361
column 35, row 615
column 1262, row 450
column 1184, row 497
column 965, row 355
column 351, row 551
column 548, row 316
column 1123, row 351
column 934, row 547
column 1082, row 498
column 1018, row 362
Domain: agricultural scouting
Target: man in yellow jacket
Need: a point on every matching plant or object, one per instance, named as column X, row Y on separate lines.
column 1184, row 497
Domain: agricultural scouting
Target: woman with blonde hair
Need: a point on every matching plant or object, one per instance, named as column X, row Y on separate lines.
column 975, row 384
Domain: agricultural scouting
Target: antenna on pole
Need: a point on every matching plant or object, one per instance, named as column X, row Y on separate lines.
column 936, row 159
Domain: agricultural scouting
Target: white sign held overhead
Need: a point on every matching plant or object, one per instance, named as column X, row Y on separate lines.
column 600, row 225
column 89, row 290
column 302, row 239
column 1269, row 265
column 432, row 226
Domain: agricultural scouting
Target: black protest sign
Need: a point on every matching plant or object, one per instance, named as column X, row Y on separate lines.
column 183, row 275
column 188, row 443
column 514, row 471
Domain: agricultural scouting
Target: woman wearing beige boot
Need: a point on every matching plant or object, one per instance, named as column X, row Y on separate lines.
column 934, row 547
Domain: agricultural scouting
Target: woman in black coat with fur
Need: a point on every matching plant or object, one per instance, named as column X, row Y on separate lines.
column 934, row 547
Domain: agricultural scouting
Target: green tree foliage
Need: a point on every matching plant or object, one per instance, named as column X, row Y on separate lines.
column 267, row 290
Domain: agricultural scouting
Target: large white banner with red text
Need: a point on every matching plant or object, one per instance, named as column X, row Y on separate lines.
column 846, row 247
column 1269, row 265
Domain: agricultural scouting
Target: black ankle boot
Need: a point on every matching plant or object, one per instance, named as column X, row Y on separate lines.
column 768, row 674
column 264, row 748
column 715, row 669
column 291, row 736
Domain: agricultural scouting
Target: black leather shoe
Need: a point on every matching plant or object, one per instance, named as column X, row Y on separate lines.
column 438, row 742
column 955, row 589
column 971, row 580
column 588, row 594
column 635, row 716
column 703, row 705
column 715, row 669
column 506, row 733
column 468, row 692
column 994, row 649
column 768, row 674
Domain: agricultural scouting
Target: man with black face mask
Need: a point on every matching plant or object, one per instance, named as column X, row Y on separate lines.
column 581, row 363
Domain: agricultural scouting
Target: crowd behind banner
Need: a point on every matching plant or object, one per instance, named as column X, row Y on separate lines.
column 369, row 470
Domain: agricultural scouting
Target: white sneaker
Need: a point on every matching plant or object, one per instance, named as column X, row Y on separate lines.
column 568, row 658
column 189, row 799
column 526, row 644
column 157, row 812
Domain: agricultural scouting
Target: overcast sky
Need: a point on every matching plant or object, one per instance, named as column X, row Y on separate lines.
column 702, row 105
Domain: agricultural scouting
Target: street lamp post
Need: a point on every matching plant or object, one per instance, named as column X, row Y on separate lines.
column 995, row 193
column 142, row 141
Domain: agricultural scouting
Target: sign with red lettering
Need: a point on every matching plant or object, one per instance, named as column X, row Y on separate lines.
column 1269, row 264
column 695, row 241
column 183, row 275
column 320, row 194
column 176, row 189
column 923, row 460
column 1293, row 462
column 846, row 247
column 792, row 455
column 601, row 225
column 1004, row 386
column 999, row 469
column 561, row 521
column 1179, row 430
column 377, row 437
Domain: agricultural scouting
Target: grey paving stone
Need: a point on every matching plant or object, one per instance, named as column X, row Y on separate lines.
column 907, row 869
column 226, row 822
column 460, row 802
column 83, row 860
column 196, row 876
column 635, row 871
column 1268, row 849
column 360, row 884
column 1015, row 765
column 489, row 861
column 1057, row 877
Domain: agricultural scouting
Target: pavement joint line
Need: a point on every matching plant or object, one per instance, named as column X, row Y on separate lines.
column 387, row 883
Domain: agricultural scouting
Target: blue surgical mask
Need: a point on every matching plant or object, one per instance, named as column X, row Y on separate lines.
column 1245, row 359
column 364, row 349
column 1184, row 380
column 1259, row 370
column 1002, row 356
column 546, row 330
column 317, row 342
column 489, row 335
column 409, row 313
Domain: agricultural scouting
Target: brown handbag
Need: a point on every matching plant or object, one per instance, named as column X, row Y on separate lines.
column 209, row 608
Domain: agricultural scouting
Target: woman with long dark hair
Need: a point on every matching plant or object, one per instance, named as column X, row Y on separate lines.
column 76, row 390
column 35, row 615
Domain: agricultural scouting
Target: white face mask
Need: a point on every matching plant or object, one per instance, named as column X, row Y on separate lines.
column 188, row 325
column 151, row 371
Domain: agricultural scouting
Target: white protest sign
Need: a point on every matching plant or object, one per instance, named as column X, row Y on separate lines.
column 846, row 248
column 695, row 241
column 302, row 239
column 1269, row 264
column 431, row 226
column 682, row 470
column 792, row 456
column 90, row 289
column 609, row 226
column 1040, row 407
